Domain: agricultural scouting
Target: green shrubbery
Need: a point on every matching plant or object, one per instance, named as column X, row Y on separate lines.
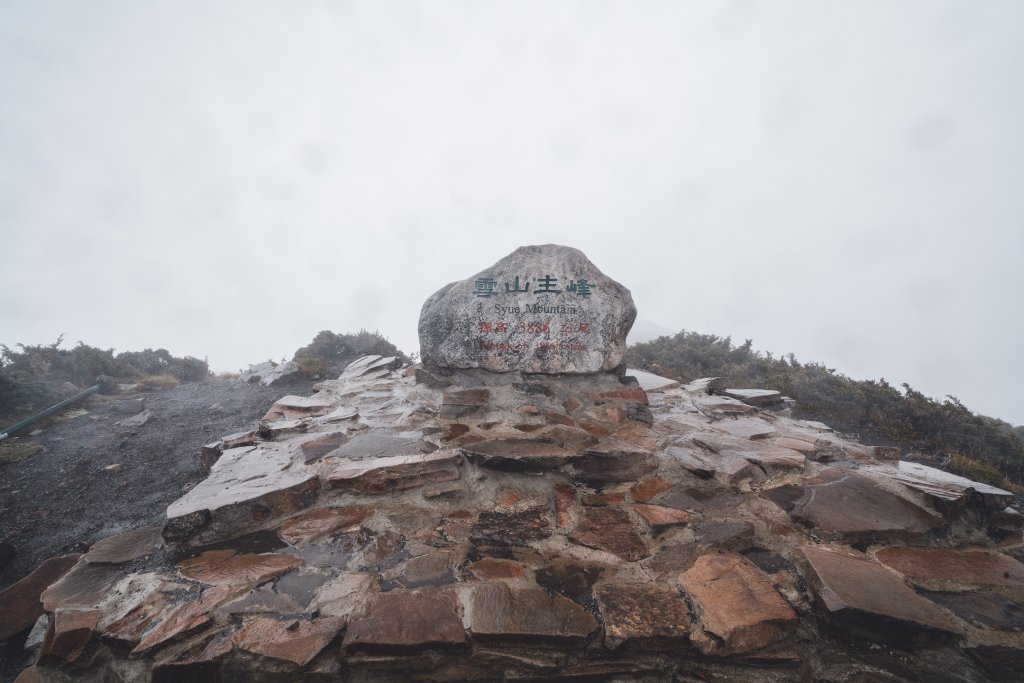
column 32, row 377
column 870, row 408
column 329, row 353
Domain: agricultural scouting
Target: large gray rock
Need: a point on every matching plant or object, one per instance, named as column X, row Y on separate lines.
column 544, row 309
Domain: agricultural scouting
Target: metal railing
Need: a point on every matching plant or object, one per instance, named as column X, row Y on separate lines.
column 29, row 421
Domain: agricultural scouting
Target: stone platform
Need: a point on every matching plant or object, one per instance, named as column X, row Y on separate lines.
column 438, row 525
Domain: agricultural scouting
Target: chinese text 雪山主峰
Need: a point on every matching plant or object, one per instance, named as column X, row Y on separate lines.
column 548, row 284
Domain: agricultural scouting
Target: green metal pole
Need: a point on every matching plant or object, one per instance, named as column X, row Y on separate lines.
column 27, row 422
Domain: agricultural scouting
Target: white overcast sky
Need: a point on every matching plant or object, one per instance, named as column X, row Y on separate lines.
column 840, row 180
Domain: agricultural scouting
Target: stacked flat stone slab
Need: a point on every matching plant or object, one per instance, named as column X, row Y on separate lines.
column 569, row 526
column 454, row 523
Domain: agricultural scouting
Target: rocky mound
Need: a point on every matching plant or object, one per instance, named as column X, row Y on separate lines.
column 446, row 524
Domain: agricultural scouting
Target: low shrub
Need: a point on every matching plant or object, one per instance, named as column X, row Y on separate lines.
column 156, row 382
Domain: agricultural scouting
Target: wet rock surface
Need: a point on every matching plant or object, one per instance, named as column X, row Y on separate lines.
column 541, row 309
column 568, row 527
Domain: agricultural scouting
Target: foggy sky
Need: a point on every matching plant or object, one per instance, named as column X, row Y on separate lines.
column 840, row 180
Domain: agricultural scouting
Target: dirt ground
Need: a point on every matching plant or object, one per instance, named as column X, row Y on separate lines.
column 60, row 500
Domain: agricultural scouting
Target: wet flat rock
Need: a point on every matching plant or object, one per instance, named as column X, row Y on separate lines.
column 84, row 586
column 728, row 468
column 746, row 428
column 506, row 613
column 944, row 484
column 869, row 602
column 20, row 604
column 738, row 609
column 945, row 569
column 643, row 617
column 519, row 454
column 609, row 529
column 511, row 528
column 296, row 407
column 396, row 473
column 854, row 505
column 401, row 622
column 245, row 486
column 659, row 517
column 186, row 618
column 311, row 526
column 760, row 452
column 613, row 461
column 373, row 445
column 984, row 609
column 69, row 636
column 491, row 569
column 754, row 397
column 292, row 640
column 226, row 567
column 125, row 547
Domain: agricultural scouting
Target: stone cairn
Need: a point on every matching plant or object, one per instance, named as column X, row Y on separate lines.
column 521, row 507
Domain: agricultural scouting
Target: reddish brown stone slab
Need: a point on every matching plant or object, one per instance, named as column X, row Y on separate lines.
column 310, row 526
column 553, row 418
column 454, row 431
column 527, row 427
column 608, row 498
column 643, row 617
column 699, row 500
column 807, row 448
column 396, row 473
column 489, row 569
column 225, row 567
column 627, row 394
column 185, row 619
column 84, row 586
column 30, row 675
column 476, row 396
column 856, row 506
column 505, row 613
column 659, row 518
column 728, row 469
column 131, row 545
column 321, row 444
column 565, row 500
column 130, row 628
column 432, row 569
column 737, row 606
column 984, row 609
column 250, row 438
column 867, row 601
column 1003, row 662
column 245, row 488
column 723, row 533
column 517, row 455
column 612, row 461
column 944, row 569
column 69, row 635
column 20, row 604
column 455, row 528
column 645, row 491
column 609, row 529
column 511, row 528
column 508, row 498
column 401, row 621
column 291, row 640
column 199, row 662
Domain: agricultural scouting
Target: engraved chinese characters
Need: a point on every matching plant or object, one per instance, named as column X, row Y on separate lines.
column 544, row 309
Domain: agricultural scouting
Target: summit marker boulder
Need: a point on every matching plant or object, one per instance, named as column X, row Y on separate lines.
column 541, row 309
